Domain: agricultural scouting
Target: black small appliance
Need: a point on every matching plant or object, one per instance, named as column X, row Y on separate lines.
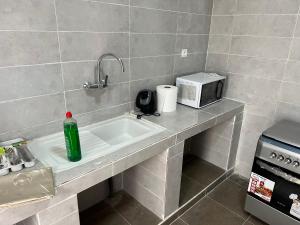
column 146, row 101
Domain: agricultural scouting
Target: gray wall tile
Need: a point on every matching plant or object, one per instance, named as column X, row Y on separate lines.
column 148, row 179
column 260, row 66
column 267, row 7
column 221, row 24
column 267, row 25
column 224, row 7
column 264, row 68
column 123, row 2
column 216, row 63
column 192, row 64
column 152, row 21
column 81, row 101
column 295, row 49
column 156, row 4
column 152, row 44
column 260, row 46
column 22, row 82
column 288, row 111
column 89, row 46
column 77, row 73
column 292, row 72
column 57, row 212
column 196, row 6
column 35, row 111
column 22, row 48
column 219, row 43
column 27, row 15
column 290, row 93
column 297, row 30
column 193, row 23
column 74, row 15
column 149, row 67
column 194, row 43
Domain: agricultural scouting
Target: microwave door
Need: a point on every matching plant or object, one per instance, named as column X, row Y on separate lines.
column 211, row 92
column 188, row 94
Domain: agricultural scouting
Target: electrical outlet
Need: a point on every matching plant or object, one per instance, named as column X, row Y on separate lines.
column 184, row 52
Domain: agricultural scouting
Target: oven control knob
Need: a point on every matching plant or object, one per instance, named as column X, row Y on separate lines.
column 273, row 155
column 288, row 161
column 296, row 164
column 280, row 158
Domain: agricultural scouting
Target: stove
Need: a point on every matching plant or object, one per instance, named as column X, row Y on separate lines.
column 273, row 193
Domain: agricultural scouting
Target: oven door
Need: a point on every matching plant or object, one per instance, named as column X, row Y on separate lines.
column 275, row 186
column 211, row 92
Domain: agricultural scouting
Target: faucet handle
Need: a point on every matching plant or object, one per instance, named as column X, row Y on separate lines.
column 88, row 85
column 105, row 81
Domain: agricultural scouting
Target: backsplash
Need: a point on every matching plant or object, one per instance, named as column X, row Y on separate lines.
column 49, row 48
column 256, row 44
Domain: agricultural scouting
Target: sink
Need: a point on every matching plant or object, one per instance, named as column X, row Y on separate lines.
column 97, row 140
column 122, row 130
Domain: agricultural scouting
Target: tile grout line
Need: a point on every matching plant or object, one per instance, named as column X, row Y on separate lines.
column 60, row 56
column 93, row 60
column 116, row 211
column 182, row 221
column 230, row 39
column 59, row 120
column 247, row 220
column 175, row 44
column 209, row 35
column 223, row 206
column 129, row 52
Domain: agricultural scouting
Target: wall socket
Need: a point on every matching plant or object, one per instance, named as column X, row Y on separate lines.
column 184, row 52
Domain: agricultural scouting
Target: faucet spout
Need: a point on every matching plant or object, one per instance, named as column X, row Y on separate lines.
column 102, row 77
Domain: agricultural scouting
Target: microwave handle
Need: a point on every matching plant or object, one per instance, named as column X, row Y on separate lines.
column 219, row 89
column 278, row 172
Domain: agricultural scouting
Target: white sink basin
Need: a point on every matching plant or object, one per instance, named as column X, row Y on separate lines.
column 97, row 140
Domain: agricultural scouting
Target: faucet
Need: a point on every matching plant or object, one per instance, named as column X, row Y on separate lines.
column 102, row 83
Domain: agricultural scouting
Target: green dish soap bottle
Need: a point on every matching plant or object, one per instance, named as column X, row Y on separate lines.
column 72, row 138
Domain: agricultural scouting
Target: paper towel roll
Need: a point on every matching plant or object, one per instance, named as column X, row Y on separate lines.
column 166, row 98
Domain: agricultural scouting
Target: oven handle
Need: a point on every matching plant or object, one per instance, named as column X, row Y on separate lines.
column 278, row 172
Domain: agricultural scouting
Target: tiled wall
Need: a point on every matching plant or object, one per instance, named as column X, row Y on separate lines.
column 256, row 43
column 49, row 48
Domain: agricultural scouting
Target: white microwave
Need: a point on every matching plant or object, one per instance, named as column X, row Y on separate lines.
column 200, row 89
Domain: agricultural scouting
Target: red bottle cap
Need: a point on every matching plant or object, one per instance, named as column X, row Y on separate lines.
column 69, row 115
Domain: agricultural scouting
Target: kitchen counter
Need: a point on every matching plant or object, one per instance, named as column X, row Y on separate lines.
column 180, row 125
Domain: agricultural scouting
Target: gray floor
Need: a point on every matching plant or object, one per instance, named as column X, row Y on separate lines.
column 223, row 206
column 197, row 174
column 121, row 209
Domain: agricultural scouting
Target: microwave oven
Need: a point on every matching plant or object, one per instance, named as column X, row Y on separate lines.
column 200, row 89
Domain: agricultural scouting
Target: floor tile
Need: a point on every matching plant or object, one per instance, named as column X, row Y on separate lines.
column 209, row 212
column 231, row 196
column 178, row 222
column 131, row 210
column 101, row 214
column 255, row 221
column 189, row 188
column 242, row 181
column 202, row 171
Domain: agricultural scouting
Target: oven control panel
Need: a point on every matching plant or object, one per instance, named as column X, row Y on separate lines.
column 278, row 155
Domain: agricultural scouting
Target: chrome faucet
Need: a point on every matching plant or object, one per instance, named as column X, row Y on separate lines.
column 102, row 83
